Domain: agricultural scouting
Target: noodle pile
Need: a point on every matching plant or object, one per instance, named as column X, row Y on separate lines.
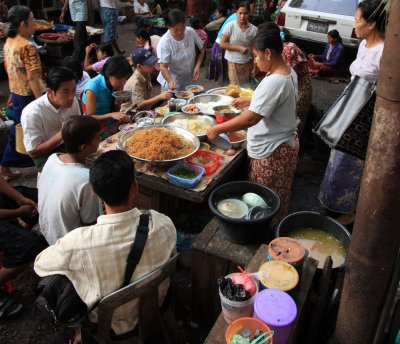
column 157, row 144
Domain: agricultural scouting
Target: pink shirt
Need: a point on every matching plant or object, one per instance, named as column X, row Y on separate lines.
column 203, row 36
column 98, row 66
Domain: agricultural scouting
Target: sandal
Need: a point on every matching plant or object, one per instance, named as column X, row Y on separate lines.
column 9, row 308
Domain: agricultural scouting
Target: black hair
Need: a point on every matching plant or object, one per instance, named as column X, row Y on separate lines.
column 335, row 35
column 106, row 48
column 374, row 11
column 241, row 3
column 174, row 17
column 268, row 37
column 111, row 177
column 78, row 130
column 73, row 64
column 57, row 75
column 143, row 33
column 16, row 16
column 223, row 10
column 288, row 35
column 117, row 66
column 195, row 23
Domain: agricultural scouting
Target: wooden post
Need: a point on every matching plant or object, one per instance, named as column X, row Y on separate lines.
column 376, row 234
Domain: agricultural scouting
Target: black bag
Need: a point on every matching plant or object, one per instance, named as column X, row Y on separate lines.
column 346, row 125
column 57, row 298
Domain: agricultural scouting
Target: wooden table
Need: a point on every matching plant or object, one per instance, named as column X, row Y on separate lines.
column 217, row 334
column 212, row 257
column 158, row 194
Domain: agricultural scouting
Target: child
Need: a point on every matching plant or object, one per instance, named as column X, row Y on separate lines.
column 195, row 24
column 144, row 40
column 140, row 83
column 66, row 199
column 103, row 51
column 82, row 77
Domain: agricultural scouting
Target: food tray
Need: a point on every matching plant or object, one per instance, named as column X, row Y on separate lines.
column 183, row 182
column 207, row 156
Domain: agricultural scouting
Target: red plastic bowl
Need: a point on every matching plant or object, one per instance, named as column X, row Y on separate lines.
column 206, row 156
column 220, row 119
column 50, row 36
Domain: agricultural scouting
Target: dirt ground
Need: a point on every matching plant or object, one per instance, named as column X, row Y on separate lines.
column 30, row 328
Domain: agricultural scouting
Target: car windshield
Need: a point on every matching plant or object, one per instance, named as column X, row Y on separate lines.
column 342, row 7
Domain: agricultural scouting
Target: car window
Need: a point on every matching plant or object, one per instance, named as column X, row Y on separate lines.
column 342, row 7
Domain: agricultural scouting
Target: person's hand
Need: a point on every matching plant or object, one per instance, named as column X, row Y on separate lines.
column 167, row 95
column 212, row 133
column 243, row 50
column 120, row 116
column 90, row 47
column 196, row 73
column 26, row 201
column 172, row 85
column 27, row 211
column 241, row 102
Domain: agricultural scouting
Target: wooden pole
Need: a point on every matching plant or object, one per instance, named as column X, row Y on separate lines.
column 376, row 234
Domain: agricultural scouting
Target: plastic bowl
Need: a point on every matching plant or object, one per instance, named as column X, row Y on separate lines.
column 61, row 27
column 207, row 156
column 251, row 324
column 185, row 183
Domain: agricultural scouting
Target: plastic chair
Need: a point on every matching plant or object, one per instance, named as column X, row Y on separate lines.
column 152, row 318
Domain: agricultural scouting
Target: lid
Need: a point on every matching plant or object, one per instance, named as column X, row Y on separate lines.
column 222, row 141
column 286, row 249
column 275, row 308
column 278, row 275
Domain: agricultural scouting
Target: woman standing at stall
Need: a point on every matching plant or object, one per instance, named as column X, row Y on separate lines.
column 271, row 119
column 97, row 98
column 236, row 40
column 176, row 51
column 24, row 70
column 341, row 183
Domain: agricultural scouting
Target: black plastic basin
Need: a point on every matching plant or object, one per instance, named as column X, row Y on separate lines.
column 244, row 231
column 310, row 219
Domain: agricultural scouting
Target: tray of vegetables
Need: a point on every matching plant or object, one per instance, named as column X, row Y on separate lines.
column 184, row 175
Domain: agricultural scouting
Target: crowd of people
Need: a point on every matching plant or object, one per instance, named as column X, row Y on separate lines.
column 81, row 210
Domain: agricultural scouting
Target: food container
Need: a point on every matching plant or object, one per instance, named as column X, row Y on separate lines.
column 162, row 110
column 122, row 95
column 287, row 250
column 169, row 120
column 186, row 95
column 61, row 27
column 226, row 111
column 278, row 311
column 206, row 102
column 218, row 90
column 237, row 139
column 232, row 310
column 190, row 109
column 250, row 324
column 210, row 160
column 195, row 89
column 185, row 183
column 176, row 104
column 160, row 163
column 145, row 121
column 127, row 127
column 278, row 275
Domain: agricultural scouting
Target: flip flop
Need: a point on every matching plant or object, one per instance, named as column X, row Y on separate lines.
column 13, row 176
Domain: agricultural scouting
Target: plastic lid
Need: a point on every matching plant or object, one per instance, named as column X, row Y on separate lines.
column 275, row 308
column 286, row 249
column 278, row 275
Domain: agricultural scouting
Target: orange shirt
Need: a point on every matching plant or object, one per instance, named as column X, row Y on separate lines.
column 20, row 57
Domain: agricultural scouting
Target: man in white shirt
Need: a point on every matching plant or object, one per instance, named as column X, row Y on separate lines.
column 66, row 199
column 94, row 258
column 42, row 119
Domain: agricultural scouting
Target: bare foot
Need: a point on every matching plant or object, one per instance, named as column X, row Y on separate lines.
column 346, row 219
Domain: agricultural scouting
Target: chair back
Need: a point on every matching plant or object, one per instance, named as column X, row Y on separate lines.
column 145, row 289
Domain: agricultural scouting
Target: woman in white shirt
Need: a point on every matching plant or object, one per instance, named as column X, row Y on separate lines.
column 141, row 9
column 179, row 61
column 272, row 143
column 236, row 40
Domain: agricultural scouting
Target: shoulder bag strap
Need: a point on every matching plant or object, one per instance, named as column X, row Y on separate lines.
column 137, row 248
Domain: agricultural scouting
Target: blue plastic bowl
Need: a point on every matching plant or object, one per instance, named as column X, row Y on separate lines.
column 61, row 27
column 183, row 182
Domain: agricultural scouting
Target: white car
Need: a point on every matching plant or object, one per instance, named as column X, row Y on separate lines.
column 311, row 20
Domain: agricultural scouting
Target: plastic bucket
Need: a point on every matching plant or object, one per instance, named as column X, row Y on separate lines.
column 232, row 310
column 251, row 324
column 278, row 310
column 19, row 139
column 287, row 250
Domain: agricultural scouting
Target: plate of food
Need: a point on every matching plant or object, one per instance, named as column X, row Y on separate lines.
column 190, row 109
column 122, row 95
column 195, row 89
column 184, row 95
column 162, row 110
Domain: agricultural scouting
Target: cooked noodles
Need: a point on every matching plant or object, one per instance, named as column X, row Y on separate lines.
column 158, row 144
